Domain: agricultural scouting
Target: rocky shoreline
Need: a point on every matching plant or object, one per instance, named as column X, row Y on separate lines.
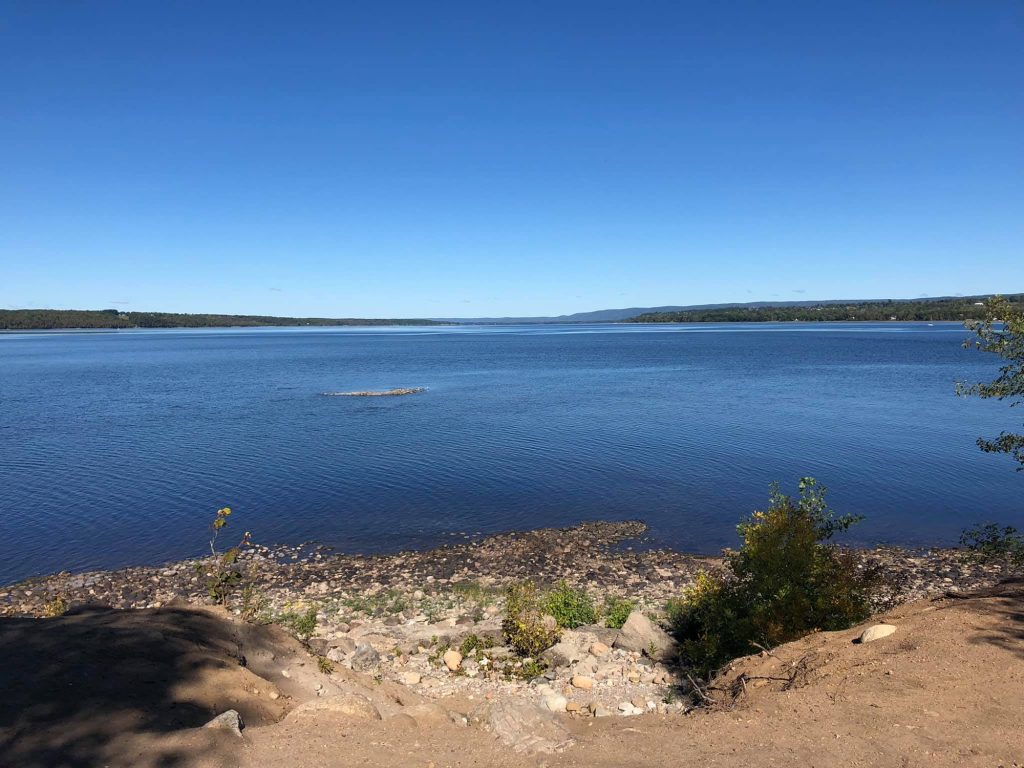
column 431, row 620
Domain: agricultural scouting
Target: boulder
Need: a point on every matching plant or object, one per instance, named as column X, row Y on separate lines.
column 318, row 645
column 227, row 721
column 344, row 644
column 364, row 657
column 452, row 659
column 571, row 647
column 876, row 632
column 583, row 683
column 555, row 702
column 641, row 634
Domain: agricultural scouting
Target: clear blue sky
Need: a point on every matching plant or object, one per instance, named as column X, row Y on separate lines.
column 465, row 159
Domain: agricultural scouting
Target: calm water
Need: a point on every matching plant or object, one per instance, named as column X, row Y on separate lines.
column 118, row 447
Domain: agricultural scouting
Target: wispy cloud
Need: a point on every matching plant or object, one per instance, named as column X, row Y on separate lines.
column 275, row 290
column 799, row 290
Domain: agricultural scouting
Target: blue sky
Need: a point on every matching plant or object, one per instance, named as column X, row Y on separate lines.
column 467, row 159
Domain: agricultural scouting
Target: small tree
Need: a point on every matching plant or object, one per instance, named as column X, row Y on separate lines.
column 1001, row 332
column 225, row 576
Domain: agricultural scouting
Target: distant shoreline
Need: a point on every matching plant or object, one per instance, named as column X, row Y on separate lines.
column 370, row 324
column 111, row 319
column 941, row 309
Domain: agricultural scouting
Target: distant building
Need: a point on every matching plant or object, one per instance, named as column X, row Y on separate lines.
column 979, row 303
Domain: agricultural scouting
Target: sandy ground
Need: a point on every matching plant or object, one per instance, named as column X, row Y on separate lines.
column 128, row 688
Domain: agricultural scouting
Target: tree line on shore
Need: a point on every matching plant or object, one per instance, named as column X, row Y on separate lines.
column 959, row 309
column 54, row 319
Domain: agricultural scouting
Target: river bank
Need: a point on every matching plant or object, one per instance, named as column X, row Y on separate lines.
column 403, row 617
column 607, row 559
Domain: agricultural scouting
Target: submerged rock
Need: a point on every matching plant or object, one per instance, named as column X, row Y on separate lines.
column 378, row 392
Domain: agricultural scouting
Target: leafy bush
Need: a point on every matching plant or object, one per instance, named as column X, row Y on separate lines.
column 570, row 607
column 991, row 544
column 783, row 583
column 616, row 610
column 526, row 628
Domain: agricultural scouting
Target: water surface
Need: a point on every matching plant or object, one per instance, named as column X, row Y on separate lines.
column 117, row 447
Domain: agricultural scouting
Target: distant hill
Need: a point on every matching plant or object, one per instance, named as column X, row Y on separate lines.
column 943, row 308
column 597, row 316
column 633, row 314
column 55, row 319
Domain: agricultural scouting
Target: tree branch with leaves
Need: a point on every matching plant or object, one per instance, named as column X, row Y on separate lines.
column 1001, row 332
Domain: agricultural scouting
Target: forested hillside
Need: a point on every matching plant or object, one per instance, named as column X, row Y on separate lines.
column 49, row 319
column 961, row 308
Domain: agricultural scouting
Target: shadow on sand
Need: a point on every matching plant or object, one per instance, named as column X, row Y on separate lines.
column 101, row 687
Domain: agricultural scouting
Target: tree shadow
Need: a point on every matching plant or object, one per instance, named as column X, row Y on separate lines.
column 1004, row 603
column 96, row 686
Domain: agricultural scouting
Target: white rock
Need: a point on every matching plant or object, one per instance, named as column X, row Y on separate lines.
column 452, row 659
column 412, row 678
column 555, row 702
column 876, row 632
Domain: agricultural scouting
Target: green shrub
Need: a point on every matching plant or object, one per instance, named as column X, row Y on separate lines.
column 616, row 610
column 57, row 606
column 570, row 607
column 302, row 624
column 474, row 643
column 525, row 627
column 785, row 582
column 990, row 544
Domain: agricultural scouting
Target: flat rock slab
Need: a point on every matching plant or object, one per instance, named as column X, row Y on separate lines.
column 525, row 727
column 346, row 704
